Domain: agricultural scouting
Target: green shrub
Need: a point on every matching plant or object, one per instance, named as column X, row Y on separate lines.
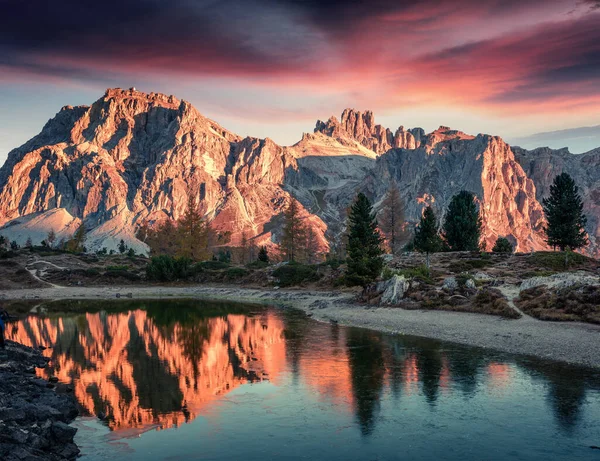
column 556, row 260
column 461, row 279
column 419, row 272
column 214, row 265
column 257, row 264
column 236, row 272
column 124, row 274
column 502, row 245
column 166, row 268
column 117, row 268
column 92, row 271
column 296, row 274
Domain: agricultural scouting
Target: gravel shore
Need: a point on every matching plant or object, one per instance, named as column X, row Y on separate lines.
column 574, row 343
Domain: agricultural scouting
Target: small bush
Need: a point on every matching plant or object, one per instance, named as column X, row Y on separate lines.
column 465, row 265
column 257, row 264
column 123, row 274
column 117, row 268
column 92, row 272
column 556, row 260
column 461, row 279
column 296, row 274
column 236, row 273
column 167, row 269
column 419, row 272
column 214, row 265
column 502, row 245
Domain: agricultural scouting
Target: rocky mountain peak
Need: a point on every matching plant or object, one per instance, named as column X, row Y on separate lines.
column 361, row 127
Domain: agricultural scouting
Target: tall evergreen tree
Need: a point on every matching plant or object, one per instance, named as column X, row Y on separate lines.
column 462, row 225
column 427, row 237
column 192, row 234
column 293, row 240
column 76, row 243
column 564, row 214
column 391, row 219
column 51, row 238
column 263, row 254
column 364, row 244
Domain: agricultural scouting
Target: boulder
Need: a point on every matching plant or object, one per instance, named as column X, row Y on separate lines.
column 561, row 280
column 394, row 290
column 63, row 432
column 450, row 284
column 470, row 284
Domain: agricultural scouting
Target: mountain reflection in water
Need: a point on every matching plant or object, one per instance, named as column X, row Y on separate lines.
column 159, row 364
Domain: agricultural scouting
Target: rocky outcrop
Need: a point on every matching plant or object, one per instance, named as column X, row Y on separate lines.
column 451, row 161
column 544, row 164
column 393, row 290
column 361, row 127
column 33, row 416
column 561, row 280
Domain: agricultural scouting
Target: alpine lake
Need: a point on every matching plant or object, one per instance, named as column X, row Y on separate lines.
column 197, row 380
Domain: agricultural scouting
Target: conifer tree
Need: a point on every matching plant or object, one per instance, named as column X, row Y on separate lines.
column 564, row 214
column 75, row 245
column 293, row 240
column 244, row 246
column 364, row 244
column 51, row 238
column 311, row 245
column 263, row 254
column 462, row 225
column 28, row 243
column 391, row 219
column 192, row 234
column 122, row 247
column 427, row 237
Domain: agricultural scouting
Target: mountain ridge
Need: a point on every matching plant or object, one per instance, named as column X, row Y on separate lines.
column 134, row 157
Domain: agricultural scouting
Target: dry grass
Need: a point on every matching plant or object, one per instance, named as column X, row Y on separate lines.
column 576, row 303
column 485, row 301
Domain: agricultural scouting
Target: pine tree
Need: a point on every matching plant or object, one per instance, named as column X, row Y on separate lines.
column 294, row 233
column 311, row 246
column 364, row 244
column 462, row 226
column 75, row 245
column 51, row 238
column 244, row 248
column 391, row 219
column 263, row 254
column 427, row 237
column 192, row 234
column 28, row 243
column 122, row 247
column 564, row 214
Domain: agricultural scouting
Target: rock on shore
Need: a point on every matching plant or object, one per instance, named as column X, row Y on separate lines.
column 34, row 418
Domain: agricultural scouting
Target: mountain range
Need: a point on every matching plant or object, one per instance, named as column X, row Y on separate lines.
column 133, row 158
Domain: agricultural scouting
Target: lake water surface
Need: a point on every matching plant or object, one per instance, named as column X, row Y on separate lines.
column 180, row 380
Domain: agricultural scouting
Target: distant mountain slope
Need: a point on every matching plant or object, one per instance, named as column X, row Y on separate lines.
column 133, row 157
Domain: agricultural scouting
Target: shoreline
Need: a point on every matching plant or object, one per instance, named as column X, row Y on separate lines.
column 569, row 342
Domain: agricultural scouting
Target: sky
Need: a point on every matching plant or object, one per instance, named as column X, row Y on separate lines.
column 262, row 68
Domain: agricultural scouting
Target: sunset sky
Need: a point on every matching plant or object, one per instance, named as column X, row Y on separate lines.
column 273, row 67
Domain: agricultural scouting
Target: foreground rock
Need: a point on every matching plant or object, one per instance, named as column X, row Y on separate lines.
column 34, row 418
column 561, row 280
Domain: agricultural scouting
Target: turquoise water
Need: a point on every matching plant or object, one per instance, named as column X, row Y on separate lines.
column 189, row 380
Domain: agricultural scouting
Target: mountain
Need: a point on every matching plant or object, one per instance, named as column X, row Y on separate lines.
column 133, row 157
